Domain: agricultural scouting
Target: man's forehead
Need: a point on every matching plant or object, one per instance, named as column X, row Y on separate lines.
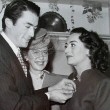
column 29, row 17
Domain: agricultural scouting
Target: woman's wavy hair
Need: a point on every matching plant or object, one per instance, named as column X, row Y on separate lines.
column 98, row 49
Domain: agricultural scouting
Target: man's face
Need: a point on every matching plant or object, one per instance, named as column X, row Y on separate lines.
column 23, row 30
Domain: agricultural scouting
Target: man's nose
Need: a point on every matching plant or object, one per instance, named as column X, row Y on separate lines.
column 32, row 30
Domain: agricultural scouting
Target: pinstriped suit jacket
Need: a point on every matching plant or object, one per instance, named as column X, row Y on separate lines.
column 16, row 93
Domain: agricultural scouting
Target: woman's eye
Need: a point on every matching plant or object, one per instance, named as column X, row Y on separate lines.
column 45, row 52
column 72, row 45
column 35, row 52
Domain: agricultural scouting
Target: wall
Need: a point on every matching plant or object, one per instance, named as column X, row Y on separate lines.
column 59, row 62
column 80, row 19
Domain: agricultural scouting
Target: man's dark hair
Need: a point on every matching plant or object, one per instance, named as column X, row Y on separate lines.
column 14, row 10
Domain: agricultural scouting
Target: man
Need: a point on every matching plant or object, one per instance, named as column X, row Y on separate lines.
column 16, row 93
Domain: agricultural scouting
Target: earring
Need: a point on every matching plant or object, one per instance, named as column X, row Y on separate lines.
column 87, row 55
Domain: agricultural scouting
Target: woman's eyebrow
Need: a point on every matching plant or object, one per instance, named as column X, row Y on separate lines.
column 73, row 41
column 70, row 42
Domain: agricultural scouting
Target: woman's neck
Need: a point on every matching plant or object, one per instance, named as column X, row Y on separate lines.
column 33, row 71
column 82, row 67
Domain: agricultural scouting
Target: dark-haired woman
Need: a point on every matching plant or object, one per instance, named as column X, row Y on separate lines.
column 88, row 53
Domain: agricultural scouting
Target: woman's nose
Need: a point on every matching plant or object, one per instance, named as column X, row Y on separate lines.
column 41, row 56
column 66, row 50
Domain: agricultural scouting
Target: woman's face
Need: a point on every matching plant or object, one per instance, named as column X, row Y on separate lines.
column 75, row 50
column 38, row 58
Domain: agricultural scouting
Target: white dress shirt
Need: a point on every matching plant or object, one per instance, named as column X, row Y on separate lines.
column 11, row 44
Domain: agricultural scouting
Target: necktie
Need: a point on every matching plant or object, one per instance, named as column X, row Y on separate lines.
column 20, row 58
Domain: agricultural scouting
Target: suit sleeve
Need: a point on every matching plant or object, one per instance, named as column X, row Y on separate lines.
column 10, row 99
column 13, row 99
column 102, row 101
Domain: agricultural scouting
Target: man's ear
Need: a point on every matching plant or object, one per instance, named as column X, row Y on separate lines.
column 8, row 23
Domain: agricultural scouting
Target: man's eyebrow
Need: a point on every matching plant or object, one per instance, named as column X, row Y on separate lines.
column 31, row 24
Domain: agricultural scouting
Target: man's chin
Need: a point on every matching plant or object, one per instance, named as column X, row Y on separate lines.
column 25, row 46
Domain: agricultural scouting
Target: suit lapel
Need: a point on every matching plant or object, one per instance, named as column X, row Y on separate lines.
column 13, row 63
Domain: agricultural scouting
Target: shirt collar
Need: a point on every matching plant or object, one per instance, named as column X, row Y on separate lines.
column 12, row 45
